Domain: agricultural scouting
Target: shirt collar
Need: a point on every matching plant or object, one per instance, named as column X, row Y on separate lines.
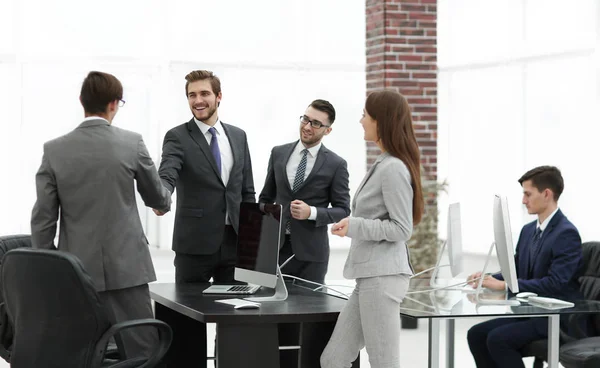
column 94, row 118
column 544, row 224
column 205, row 127
column 312, row 150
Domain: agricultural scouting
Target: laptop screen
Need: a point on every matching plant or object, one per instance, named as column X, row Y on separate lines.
column 259, row 237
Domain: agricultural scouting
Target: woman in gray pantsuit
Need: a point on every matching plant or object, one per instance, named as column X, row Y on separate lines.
column 387, row 204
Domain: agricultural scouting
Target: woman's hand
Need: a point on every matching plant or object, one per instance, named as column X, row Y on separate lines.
column 340, row 228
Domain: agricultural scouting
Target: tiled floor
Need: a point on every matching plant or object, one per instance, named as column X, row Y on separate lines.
column 413, row 343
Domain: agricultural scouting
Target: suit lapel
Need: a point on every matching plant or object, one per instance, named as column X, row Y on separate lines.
column 367, row 176
column 545, row 234
column 197, row 137
column 236, row 149
column 321, row 158
column 288, row 154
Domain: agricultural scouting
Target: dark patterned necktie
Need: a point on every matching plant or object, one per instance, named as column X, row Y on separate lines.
column 298, row 180
column 535, row 242
column 214, row 148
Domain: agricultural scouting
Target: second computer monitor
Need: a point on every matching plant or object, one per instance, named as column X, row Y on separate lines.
column 454, row 239
column 259, row 238
column 504, row 243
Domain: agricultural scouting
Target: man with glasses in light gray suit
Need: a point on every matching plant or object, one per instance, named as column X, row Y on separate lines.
column 88, row 176
column 311, row 182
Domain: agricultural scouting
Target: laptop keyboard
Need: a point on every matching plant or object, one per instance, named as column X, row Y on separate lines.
column 240, row 289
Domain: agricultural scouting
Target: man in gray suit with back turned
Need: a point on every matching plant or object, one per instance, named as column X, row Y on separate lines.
column 89, row 177
column 311, row 182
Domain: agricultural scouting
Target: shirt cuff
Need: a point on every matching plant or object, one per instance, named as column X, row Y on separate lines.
column 313, row 213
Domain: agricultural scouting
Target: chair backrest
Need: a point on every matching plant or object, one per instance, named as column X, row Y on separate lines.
column 54, row 308
column 590, row 279
column 8, row 243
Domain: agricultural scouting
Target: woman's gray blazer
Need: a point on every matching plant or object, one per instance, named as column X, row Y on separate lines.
column 381, row 222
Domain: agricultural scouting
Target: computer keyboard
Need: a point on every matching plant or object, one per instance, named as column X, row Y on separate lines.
column 550, row 303
column 241, row 289
column 231, row 289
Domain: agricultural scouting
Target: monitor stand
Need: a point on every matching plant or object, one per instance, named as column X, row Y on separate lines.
column 484, row 301
column 280, row 295
column 433, row 280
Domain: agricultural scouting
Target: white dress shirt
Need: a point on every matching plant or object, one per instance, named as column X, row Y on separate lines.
column 95, row 118
column 224, row 148
column 292, row 167
column 544, row 224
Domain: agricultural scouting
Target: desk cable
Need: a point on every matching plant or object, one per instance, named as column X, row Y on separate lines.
column 320, row 286
column 441, row 288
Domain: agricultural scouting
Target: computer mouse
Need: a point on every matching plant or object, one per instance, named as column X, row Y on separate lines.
column 526, row 294
column 247, row 306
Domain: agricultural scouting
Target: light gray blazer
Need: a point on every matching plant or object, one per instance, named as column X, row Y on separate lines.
column 89, row 175
column 381, row 222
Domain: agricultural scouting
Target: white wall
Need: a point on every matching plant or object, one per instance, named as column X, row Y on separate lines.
column 273, row 57
column 518, row 88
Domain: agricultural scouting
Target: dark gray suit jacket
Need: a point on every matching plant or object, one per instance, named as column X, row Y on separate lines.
column 89, row 175
column 202, row 198
column 327, row 184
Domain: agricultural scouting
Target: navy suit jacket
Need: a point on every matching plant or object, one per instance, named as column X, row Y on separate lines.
column 555, row 268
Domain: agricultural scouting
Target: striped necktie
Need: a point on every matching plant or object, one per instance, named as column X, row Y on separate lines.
column 298, row 180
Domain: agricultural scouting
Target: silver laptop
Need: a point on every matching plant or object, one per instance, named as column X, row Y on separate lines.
column 259, row 238
column 231, row 289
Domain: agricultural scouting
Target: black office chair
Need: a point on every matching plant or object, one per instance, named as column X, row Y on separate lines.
column 584, row 352
column 8, row 243
column 577, row 351
column 58, row 318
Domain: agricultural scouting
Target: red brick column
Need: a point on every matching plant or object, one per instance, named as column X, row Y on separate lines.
column 402, row 55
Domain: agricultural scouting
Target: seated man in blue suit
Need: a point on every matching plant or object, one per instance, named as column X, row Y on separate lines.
column 549, row 263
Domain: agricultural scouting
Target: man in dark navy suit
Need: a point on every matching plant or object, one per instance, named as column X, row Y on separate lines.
column 549, row 263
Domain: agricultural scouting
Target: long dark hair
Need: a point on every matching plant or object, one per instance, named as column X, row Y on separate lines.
column 397, row 136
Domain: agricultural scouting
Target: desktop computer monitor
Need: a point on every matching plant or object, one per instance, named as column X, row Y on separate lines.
column 505, row 252
column 259, row 239
column 454, row 239
column 453, row 244
column 504, row 243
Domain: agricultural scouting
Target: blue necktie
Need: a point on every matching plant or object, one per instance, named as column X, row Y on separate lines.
column 298, row 180
column 535, row 243
column 214, row 148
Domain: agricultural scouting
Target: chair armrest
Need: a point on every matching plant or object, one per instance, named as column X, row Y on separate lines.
column 165, row 335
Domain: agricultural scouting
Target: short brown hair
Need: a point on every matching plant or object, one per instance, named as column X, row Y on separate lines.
column 545, row 177
column 98, row 90
column 396, row 133
column 326, row 107
column 198, row 75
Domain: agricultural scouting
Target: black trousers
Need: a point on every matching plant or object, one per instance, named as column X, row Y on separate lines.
column 201, row 268
column 308, row 270
column 189, row 336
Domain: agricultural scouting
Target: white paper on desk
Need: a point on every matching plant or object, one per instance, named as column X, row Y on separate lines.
column 237, row 302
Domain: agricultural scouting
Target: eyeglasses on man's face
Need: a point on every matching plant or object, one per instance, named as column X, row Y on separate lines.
column 121, row 103
column 313, row 123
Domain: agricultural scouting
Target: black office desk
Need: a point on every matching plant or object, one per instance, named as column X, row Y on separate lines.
column 247, row 338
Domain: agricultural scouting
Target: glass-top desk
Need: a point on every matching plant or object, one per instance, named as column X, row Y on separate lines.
column 449, row 304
